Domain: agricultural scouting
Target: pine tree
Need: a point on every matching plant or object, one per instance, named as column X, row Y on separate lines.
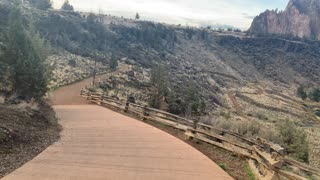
column 25, row 57
column 67, row 6
column 113, row 63
column 137, row 16
column 159, row 79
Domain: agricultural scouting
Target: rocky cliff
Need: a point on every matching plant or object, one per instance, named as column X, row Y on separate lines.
column 300, row 19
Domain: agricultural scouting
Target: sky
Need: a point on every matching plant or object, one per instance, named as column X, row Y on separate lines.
column 237, row 13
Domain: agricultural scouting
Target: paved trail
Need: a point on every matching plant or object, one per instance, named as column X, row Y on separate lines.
column 99, row 144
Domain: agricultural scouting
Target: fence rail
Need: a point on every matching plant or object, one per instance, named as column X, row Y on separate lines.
column 269, row 157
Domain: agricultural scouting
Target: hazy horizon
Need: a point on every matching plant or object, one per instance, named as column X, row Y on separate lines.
column 237, row 13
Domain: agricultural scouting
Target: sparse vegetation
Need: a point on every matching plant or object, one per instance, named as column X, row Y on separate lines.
column 286, row 134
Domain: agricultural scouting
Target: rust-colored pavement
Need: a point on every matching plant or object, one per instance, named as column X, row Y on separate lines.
column 99, row 144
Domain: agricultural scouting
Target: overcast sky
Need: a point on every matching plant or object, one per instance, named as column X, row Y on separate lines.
column 238, row 13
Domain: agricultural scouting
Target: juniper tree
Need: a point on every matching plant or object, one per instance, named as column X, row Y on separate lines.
column 25, row 56
column 315, row 95
column 113, row 63
column 294, row 140
column 302, row 93
column 67, row 6
column 159, row 79
column 137, row 16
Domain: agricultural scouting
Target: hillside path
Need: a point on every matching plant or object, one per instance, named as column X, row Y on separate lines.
column 99, row 144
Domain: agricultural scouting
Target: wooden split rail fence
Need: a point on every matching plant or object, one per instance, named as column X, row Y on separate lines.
column 268, row 157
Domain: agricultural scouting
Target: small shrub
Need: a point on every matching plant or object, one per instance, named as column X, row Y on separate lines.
column 248, row 128
column 302, row 93
column 286, row 134
column 224, row 124
column 72, row 63
column 294, row 140
column 92, row 89
column 223, row 166
column 227, row 115
column 315, row 95
column 249, row 172
column 318, row 113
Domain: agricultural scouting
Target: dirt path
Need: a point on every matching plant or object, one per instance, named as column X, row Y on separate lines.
column 70, row 95
column 98, row 143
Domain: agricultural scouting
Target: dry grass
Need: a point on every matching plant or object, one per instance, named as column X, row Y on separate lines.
column 26, row 106
column 251, row 129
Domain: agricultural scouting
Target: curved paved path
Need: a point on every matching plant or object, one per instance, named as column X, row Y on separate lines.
column 99, row 144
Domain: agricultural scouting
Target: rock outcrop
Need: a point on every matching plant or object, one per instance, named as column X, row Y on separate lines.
column 300, row 19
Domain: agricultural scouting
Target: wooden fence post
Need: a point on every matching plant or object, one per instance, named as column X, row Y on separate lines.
column 145, row 112
column 101, row 99
column 195, row 123
column 127, row 107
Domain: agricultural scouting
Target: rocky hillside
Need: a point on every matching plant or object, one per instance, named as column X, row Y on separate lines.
column 300, row 19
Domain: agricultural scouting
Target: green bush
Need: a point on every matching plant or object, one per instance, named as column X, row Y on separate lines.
column 72, row 63
column 92, row 89
column 302, row 93
column 223, row 166
column 227, row 115
column 315, row 95
column 249, row 172
column 294, row 141
column 318, row 113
